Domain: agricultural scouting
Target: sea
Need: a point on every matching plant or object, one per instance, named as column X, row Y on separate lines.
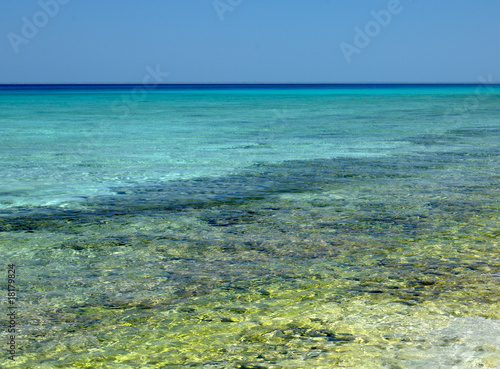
column 250, row 226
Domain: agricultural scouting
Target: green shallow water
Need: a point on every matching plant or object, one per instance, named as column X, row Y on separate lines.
column 388, row 262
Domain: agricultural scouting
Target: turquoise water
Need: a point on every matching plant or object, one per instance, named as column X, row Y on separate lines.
column 267, row 228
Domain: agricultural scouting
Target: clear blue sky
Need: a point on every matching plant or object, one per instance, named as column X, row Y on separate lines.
column 272, row 41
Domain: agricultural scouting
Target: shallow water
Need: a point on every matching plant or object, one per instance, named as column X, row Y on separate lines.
column 278, row 229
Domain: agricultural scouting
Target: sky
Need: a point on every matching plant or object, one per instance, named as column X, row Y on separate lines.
column 249, row 41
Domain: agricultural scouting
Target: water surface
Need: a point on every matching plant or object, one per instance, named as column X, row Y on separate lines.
column 253, row 228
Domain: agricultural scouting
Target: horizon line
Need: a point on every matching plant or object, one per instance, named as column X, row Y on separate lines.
column 249, row 83
column 152, row 86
